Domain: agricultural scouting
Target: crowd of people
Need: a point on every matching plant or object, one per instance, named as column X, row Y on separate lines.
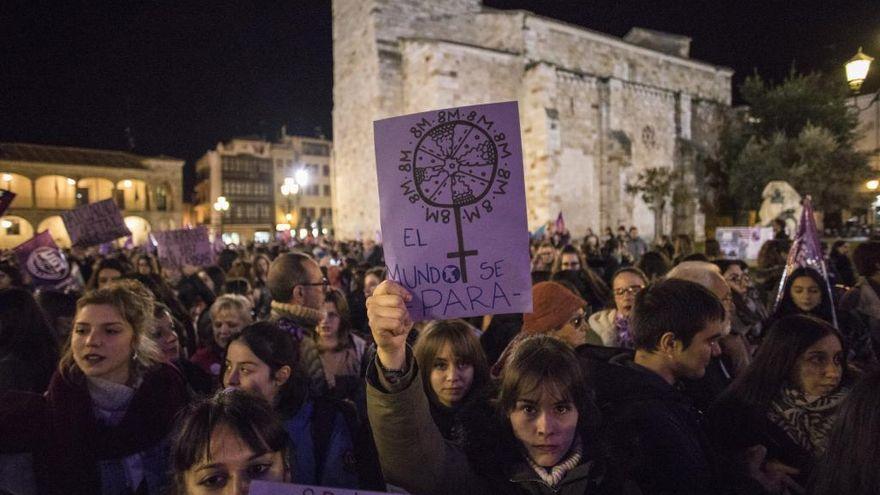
column 642, row 369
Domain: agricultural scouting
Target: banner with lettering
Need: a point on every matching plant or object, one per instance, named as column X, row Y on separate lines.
column 184, row 247
column 453, row 210
column 271, row 488
column 95, row 223
column 47, row 266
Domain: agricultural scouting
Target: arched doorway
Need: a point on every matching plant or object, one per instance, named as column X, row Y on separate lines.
column 21, row 186
column 140, row 229
column 56, row 192
column 55, row 226
column 131, row 195
column 93, row 189
column 13, row 231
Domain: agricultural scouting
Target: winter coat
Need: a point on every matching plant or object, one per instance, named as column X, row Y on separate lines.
column 415, row 456
column 653, row 430
column 861, row 305
column 74, row 453
column 322, row 446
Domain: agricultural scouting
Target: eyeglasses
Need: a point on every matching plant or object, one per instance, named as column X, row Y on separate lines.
column 324, row 283
column 632, row 289
column 738, row 278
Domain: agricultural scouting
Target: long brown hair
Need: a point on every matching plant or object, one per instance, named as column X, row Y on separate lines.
column 465, row 346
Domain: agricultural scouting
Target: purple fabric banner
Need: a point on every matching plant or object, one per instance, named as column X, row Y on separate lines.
column 95, row 223
column 6, row 198
column 47, row 266
column 271, row 488
column 453, row 210
column 184, row 247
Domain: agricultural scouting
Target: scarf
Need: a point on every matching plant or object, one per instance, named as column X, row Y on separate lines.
column 554, row 475
column 624, row 337
column 807, row 423
column 295, row 319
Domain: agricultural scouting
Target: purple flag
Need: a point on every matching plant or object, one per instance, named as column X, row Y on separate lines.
column 185, row 247
column 560, row 224
column 6, row 198
column 95, row 223
column 44, row 262
column 806, row 251
column 453, row 210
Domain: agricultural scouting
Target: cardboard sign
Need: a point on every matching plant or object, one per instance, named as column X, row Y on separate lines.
column 742, row 243
column 95, row 223
column 6, row 198
column 40, row 258
column 271, row 488
column 184, row 247
column 453, row 210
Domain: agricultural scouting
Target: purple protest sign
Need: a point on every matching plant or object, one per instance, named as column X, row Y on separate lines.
column 258, row 487
column 184, row 247
column 44, row 262
column 453, row 210
column 6, row 198
column 95, row 223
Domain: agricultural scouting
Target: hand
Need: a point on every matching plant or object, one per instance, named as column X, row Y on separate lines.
column 774, row 476
column 390, row 323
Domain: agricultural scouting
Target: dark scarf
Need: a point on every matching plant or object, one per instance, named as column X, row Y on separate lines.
column 77, row 440
column 806, row 423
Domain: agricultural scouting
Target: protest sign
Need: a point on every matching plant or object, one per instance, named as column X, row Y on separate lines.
column 184, row 247
column 453, row 210
column 95, row 223
column 271, row 488
column 40, row 258
column 742, row 243
column 6, row 198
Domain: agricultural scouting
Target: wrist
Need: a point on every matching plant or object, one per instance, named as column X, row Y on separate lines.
column 392, row 359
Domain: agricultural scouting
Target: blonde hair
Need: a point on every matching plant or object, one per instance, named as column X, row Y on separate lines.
column 135, row 304
column 235, row 303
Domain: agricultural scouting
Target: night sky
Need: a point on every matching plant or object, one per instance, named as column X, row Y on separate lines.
column 174, row 77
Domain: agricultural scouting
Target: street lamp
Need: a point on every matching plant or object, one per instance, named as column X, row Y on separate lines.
column 292, row 188
column 221, row 206
column 857, row 70
column 872, row 184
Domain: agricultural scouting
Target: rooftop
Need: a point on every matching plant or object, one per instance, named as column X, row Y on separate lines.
column 72, row 156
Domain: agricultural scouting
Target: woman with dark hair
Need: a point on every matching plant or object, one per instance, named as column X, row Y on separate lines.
column 454, row 370
column 213, row 277
column 146, row 265
column 540, row 438
column 655, row 265
column 805, row 292
column 10, row 276
column 784, row 404
column 224, row 442
column 571, row 266
column 612, row 323
column 768, row 272
column 263, row 360
column 850, row 463
column 262, row 298
column 840, row 265
column 750, row 313
column 28, row 348
column 59, row 308
column 167, row 333
column 106, row 271
column 341, row 350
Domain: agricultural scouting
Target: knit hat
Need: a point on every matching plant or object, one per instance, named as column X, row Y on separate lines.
column 552, row 306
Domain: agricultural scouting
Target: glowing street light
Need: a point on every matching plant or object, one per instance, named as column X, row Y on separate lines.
column 221, row 206
column 126, row 184
column 857, row 70
column 301, row 177
column 7, row 177
column 872, row 184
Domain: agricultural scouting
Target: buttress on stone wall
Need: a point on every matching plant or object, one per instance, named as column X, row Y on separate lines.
column 595, row 109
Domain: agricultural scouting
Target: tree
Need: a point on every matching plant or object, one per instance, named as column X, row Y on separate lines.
column 656, row 185
column 801, row 131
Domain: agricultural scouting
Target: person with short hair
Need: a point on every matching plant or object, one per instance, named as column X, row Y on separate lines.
column 106, row 271
column 225, row 442
column 653, row 428
column 229, row 314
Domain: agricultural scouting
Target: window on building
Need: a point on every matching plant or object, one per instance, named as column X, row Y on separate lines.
column 326, row 190
column 315, row 149
column 326, row 170
column 14, row 227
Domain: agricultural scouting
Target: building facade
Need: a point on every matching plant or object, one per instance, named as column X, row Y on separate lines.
column 48, row 180
column 595, row 110
column 269, row 186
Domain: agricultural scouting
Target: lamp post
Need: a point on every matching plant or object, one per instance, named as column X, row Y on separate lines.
column 293, row 187
column 221, row 206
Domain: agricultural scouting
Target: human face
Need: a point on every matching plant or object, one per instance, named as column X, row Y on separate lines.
column 231, row 466
column 227, row 324
column 163, row 334
column 102, row 343
column 245, row 371
column 313, row 290
column 329, row 326
column 370, row 284
column 546, row 254
column 107, row 275
column 546, row 425
column 570, row 261
column 144, row 267
column 737, row 279
column 691, row 362
column 573, row 333
column 633, row 233
column 451, row 378
column 625, row 286
column 820, row 368
column 805, row 293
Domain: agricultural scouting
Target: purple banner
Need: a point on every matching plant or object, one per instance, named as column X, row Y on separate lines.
column 453, row 210
column 47, row 266
column 184, row 247
column 95, row 223
column 271, row 488
column 6, row 198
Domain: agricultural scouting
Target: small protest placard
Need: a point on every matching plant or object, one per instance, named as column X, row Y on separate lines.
column 44, row 262
column 271, row 488
column 453, row 210
column 6, row 198
column 95, row 223
column 184, row 247
column 742, row 243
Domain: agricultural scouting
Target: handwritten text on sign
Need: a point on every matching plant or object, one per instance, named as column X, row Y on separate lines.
column 453, row 211
column 184, row 247
column 94, row 223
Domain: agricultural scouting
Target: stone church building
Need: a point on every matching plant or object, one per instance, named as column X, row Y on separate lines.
column 595, row 109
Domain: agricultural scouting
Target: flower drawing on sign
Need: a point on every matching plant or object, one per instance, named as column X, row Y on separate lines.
column 454, row 170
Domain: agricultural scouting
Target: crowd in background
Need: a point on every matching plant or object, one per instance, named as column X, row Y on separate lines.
column 643, row 368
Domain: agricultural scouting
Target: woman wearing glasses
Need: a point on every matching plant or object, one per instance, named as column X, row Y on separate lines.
column 612, row 324
column 750, row 311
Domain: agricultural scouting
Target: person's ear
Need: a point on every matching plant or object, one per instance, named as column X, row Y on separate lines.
column 667, row 344
column 282, row 375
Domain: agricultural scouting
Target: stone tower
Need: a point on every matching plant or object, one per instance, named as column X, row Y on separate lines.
column 595, row 109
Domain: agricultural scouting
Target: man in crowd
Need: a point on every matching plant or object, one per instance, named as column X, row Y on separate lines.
column 635, row 245
column 298, row 289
